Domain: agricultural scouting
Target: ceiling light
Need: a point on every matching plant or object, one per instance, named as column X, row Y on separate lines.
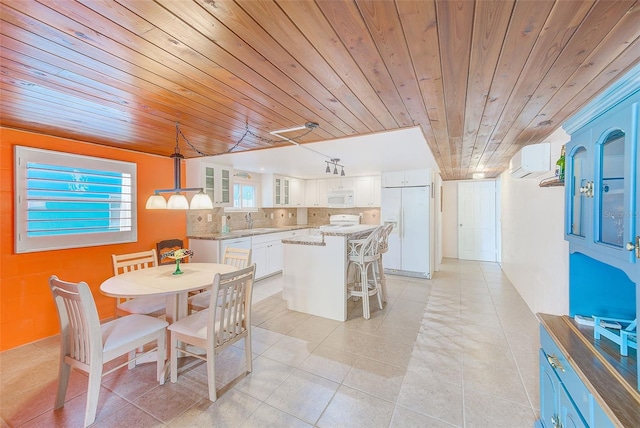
column 178, row 201
column 335, row 164
column 156, row 202
column 201, row 201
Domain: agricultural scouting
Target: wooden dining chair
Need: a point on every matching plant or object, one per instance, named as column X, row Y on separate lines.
column 237, row 257
column 167, row 246
column 154, row 306
column 86, row 345
column 219, row 326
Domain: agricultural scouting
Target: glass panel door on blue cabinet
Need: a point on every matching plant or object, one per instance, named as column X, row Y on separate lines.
column 600, row 190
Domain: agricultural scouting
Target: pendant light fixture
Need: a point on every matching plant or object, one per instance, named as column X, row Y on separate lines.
column 310, row 126
column 178, row 201
column 335, row 164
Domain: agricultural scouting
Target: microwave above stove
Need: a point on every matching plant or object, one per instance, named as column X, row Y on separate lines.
column 340, row 198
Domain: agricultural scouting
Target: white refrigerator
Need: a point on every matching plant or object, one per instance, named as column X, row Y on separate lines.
column 408, row 209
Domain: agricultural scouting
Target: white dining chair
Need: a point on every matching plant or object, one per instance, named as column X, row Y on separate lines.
column 217, row 327
column 154, row 306
column 237, row 257
column 87, row 345
column 364, row 254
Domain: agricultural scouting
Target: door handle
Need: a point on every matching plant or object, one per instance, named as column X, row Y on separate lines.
column 555, row 362
column 631, row 246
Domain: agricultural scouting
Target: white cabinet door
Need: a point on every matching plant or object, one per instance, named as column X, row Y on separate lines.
column 377, row 191
column 368, row 191
column 275, row 250
column 260, row 258
column 393, row 179
column 416, row 177
column 344, row 183
column 409, row 178
column 315, row 193
column 311, row 193
column 297, row 192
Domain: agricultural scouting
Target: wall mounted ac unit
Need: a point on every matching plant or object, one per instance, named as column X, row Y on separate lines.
column 531, row 161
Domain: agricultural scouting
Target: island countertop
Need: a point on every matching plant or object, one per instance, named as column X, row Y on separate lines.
column 241, row 233
column 348, row 232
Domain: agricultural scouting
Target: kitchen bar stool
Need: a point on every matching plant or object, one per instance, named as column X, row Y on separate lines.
column 384, row 247
column 364, row 255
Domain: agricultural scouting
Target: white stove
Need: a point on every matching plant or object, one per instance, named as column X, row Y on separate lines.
column 341, row 220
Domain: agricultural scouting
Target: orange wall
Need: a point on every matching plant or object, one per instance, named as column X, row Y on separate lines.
column 27, row 312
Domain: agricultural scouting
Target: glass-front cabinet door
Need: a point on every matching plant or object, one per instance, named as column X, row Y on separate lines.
column 601, row 186
column 611, row 211
column 225, row 186
column 615, row 176
column 209, row 182
column 277, row 191
column 579, row 168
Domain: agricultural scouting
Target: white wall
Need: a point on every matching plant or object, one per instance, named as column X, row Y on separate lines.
column 535, row 256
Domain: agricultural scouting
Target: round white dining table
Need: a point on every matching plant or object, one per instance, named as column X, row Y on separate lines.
column 160, row 281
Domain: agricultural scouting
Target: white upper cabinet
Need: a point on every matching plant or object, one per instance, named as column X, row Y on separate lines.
column 216, row 180
column 282, row 191
column 343, row 183
column 315, row 194
column 275, row 191
column 297, row 192
column 409, row 178
column 368, row 191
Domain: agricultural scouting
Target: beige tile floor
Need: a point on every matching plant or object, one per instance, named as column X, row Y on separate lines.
column 459, row 350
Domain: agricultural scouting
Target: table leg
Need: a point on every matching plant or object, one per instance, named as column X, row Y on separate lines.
column 172, row 315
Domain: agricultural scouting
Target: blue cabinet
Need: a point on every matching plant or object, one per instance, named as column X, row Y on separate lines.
column 601, row 181
column 602, row 196
column 556, row 407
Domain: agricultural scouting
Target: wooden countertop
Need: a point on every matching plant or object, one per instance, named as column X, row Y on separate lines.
column 610, row 377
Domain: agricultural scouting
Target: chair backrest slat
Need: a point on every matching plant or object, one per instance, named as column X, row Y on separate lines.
column 123, row 263
column 237, row 257
column 230, row 306
column 79, row 321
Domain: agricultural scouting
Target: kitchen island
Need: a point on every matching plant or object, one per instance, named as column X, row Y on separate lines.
column 314, row 275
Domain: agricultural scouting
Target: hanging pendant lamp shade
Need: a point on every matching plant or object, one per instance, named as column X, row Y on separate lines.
column 177, row 202
column 156, row 202
column 201, row 201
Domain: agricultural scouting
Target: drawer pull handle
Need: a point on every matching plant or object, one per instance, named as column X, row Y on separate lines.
column 555, row 421
column 555, row 362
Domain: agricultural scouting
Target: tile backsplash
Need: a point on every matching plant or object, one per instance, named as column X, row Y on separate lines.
column 197, row 223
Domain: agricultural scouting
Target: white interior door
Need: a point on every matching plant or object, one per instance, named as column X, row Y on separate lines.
column 477, row 220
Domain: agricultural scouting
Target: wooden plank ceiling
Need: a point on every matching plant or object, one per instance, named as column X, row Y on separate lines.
column 481, row 79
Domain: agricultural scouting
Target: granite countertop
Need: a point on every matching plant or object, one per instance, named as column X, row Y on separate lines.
column 241, row 233
column 349, row 232
column 306, row 240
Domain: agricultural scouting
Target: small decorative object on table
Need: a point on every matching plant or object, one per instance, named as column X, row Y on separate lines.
column 178, row 255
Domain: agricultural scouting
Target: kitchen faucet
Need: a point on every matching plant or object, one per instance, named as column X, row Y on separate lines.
column 249, row 220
